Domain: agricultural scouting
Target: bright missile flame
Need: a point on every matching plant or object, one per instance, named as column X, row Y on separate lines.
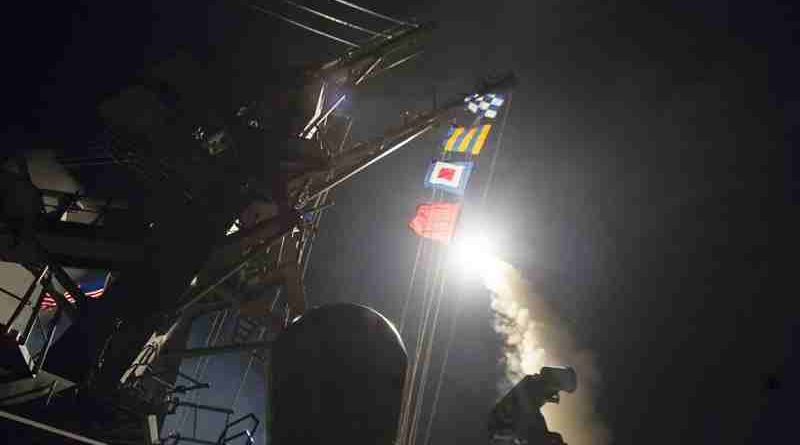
column 523, row 352
column 475, row 255
column 532, row 337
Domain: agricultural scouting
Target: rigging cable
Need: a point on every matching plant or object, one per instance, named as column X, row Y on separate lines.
column 260, row 335
column 302, row 25
column 412, row 278
column 211, row 331
column 202, row 364
column 413, row 382
column 427, row 256
column 440, row 278
column 243, row 379
column 377, row 158
column 451, row 335
column 412, row 396
column 317, row 219
column 409, row 429
column 321, row 200
column 210, row 339
column 440, row 378
column 332, row 18
column 404, row 314
column 496, row 152
column 375, row 14
column 408, row 381
column 429, row 351
column 426, row 339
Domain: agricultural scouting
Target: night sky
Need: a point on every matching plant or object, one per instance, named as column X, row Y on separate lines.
column 645, row 181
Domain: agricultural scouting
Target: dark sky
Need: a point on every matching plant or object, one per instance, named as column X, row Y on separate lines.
column 646, row 168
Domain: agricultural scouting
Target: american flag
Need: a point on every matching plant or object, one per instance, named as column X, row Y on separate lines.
column 49, row 302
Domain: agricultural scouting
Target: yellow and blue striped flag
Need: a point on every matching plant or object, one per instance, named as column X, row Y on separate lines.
column 472, row 140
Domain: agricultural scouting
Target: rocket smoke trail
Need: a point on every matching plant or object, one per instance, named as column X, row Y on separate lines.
column 533, row 337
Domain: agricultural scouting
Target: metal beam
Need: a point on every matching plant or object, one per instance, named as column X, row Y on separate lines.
column 64, row 205
column 394, row 64
column 367, row 153
column 205, row 308
column 302, row 25
column 45, row 282
column 26, row 299
column 376, row 14
column 10, row 294
column 366, row 164
column 112, row 202
column 48, row 342
column 283, row 231
column 215, row 350
column 211, row 408
column 178, row 439
column 49, row 429
column 75, row 245
column 377, row 47
column 333, row 19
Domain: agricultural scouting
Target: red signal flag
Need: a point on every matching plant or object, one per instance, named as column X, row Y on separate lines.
column 436, row 221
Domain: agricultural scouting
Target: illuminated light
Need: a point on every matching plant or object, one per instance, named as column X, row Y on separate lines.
column 475, row 255
column 233, row 228
column 472, row 253
column 495, row 276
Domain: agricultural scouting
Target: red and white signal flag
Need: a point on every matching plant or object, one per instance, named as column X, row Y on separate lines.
column 449, row 176
column 436, row 220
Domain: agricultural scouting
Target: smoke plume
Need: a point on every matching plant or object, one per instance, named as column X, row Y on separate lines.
column 534, row 337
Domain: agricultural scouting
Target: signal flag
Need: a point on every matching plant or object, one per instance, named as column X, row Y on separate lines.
column 436, row 221
column 449, row 176
column 472, row 140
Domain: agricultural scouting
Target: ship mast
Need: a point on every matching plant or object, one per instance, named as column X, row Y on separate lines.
column 217, row 225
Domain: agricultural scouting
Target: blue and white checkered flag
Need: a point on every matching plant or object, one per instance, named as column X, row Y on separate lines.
column 485, row 104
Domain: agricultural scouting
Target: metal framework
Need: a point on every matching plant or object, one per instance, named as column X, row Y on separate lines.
column 166, row 250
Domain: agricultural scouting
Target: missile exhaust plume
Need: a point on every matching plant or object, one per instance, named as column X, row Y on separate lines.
column 534, row 337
